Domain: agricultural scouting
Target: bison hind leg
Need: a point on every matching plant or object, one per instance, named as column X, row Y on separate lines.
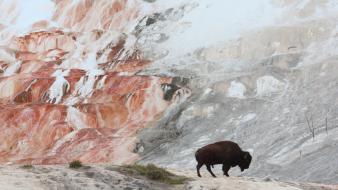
column 198, row 167
column 209, row 169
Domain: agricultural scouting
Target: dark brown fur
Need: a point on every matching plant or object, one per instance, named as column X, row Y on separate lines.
column 224, row 152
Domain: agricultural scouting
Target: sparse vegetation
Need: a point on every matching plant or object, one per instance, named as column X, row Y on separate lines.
column 27, row 166
column 311, row 126
column 326, row 125
column 75, row 164
column 154, row 173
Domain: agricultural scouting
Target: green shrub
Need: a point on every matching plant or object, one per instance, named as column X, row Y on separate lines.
column 27, row 166
column 154, row 173
column 75, row 164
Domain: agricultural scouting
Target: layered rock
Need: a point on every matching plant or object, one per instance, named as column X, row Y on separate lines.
column 76, row 94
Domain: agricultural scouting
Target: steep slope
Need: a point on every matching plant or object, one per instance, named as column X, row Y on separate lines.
column 272, row 89
column 71, row 91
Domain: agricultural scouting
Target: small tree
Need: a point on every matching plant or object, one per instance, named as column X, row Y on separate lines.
column 326, row 125
column 311, row 126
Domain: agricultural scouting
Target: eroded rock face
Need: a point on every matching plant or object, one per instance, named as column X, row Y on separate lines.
column 72, row 92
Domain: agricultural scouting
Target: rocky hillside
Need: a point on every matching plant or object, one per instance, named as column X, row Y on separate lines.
column 72, row 91
column 151, row 80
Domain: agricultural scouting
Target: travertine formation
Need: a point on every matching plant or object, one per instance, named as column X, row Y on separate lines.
column 76, row 94
column 154, row 80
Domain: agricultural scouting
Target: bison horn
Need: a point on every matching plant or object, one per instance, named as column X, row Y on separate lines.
column 246, row 155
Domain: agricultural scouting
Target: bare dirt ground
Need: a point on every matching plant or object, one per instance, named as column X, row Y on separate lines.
column 60, row 177
column 244, row 183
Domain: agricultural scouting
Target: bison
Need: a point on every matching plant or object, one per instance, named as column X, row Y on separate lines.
column 224, row 152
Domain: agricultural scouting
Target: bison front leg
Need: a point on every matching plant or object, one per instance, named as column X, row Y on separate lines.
column 198, row 167
column 209, row 169
column 225, row 169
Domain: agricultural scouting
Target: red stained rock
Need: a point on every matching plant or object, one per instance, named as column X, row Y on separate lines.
column 54, row 110
column 96, row 131
column 43, row 41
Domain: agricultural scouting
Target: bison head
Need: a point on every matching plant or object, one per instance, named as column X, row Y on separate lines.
column 245, row 161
